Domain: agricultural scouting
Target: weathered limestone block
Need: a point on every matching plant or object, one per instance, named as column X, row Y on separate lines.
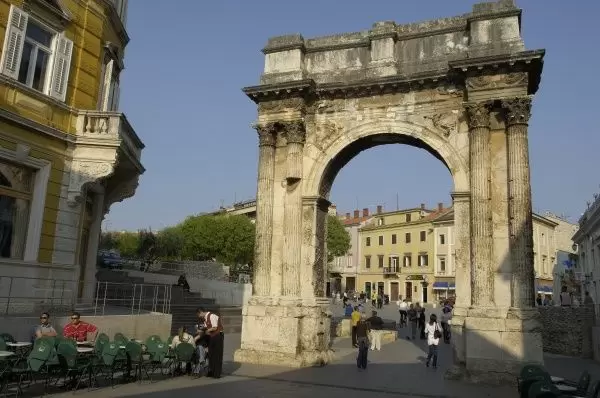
column 568, row 330
column 343, row 328
column 285, row 332
column 388, row 336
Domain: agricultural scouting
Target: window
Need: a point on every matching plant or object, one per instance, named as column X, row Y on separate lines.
column 423, row 260
column 16, row 185
column 394, row 263
column 423, row 236
column 108, row 97
column 442, row 239
column 380, row 240
column 407, row 261
column 544, row 265
column 380, row 221
column 367, row 261
column 368, row 242
column 408, row 217
column 442, row 268
column 380, row 259
column 393, row 239
column 36, row 56
column 407, row 237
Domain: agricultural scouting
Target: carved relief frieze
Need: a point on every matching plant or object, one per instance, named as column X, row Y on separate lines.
column 283, row 105
column 518, row 110
column 84, row 172
column 330, row 106
column 327, row 132
column 497, row 81
column 446, row 122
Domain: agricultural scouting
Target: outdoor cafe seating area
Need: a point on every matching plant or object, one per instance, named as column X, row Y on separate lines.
column 55, row 364
column 535, row 382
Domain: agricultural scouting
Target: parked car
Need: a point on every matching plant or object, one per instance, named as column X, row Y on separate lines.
column 110, row 260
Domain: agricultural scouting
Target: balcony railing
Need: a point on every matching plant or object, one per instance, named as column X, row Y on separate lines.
column 99, row 125
column 391, row 270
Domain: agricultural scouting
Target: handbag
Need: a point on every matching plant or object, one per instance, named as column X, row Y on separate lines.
column 436, row 333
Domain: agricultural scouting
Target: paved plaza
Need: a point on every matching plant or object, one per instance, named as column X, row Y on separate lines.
column 397, row 370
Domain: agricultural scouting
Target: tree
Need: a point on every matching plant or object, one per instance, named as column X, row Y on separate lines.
column 147, row 245
column 170, row 243
column 127, row 244
column 338, row 239
column 228, row 239
column 108, row 241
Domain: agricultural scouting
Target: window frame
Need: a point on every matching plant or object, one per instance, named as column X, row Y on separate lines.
column 442, row 239
column 380, row 260
column 368, row 241
column 423, row 256
column 368, row 261
column 423, row 236
column 41, row 176
column 50, row 50
column 394, row 239
column 442, row 261
column 380, row 240
column 407, row 237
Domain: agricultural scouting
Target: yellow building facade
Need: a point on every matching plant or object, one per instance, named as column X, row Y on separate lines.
column 66, row 152
column 397, row 254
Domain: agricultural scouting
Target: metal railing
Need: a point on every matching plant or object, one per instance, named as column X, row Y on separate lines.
column 24, row 295
column 391, row 270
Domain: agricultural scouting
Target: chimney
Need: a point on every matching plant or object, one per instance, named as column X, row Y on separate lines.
column 379, row 209
column 440, row 206
column 356, row 214
column 422, row 206
column 347, row 216
column 365, row 212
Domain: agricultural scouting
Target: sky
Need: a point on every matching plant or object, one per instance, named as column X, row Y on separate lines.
column 186, row 66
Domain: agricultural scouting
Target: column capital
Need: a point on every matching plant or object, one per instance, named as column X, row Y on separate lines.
column 518, row 110
column 267, row 134
column 295, row 131
column 460, row 196
column 478, row 114
column 318, row 200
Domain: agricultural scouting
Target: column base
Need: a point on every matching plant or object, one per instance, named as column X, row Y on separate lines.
column 285, row 331
column 492, row 344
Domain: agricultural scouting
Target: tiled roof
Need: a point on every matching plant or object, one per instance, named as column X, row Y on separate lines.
column 355, row 221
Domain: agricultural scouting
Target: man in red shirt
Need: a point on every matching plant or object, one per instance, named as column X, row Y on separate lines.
column 79, row 330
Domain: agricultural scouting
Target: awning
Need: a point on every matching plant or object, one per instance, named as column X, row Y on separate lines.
column 545, row 289
column 440, row 285
column 452, row 286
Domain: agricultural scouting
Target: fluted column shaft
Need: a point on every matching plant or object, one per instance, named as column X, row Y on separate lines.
column 481, row 210
column 518, row 112
column 292, row 241
column 264, row 209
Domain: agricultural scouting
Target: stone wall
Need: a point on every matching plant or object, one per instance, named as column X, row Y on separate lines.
column 568, row 330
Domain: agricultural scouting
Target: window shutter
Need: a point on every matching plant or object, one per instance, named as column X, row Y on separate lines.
column 13, row 42
column 60, row 71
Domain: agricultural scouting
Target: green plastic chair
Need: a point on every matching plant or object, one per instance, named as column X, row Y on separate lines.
column 39, row 361
column 152, row 339
column 543, row 389
column 135, row 353
column 120, row 337
column 159, row 359
column 103, row 337
column 3, row 346
column 111, row 354
column 71, row 365
column 7, row 337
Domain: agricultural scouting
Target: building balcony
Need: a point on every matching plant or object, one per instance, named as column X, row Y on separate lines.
column 106, row 149
column 391, row 270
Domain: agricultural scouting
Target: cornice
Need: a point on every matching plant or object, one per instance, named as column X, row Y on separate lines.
column 531, row 61
column 477, row 16
column 116, row 21
column 380, row 86
column 46, row 130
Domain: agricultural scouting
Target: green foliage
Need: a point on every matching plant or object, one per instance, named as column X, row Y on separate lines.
column 338, row 239
column 127, row 243
column 228, row 239
column 170, row 243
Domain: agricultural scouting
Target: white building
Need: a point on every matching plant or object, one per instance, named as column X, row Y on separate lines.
column 587, row 239
column 343, row 270
column 551, row 235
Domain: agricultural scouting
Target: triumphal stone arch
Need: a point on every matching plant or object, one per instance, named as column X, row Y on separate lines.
column 459, row 87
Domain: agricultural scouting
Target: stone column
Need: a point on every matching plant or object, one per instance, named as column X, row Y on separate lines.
column 518, row 111
column 481, row 211
column 264, row 209
column 292, row 240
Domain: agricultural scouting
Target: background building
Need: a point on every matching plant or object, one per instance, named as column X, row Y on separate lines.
column 66, row 153
column 587, row 239
column 396, row 253
column 343, row 270
column 548, row 239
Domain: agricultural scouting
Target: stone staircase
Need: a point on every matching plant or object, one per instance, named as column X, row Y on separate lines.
column 183, row 304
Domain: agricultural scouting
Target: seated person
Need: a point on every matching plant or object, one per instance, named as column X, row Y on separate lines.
column 182, row 337
column 44, row 328
column 79, row 330
column 201, row 339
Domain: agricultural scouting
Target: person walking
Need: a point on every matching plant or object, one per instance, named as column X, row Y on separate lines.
column 402, row 307
column 362, row 337
column 433, row 332
column 445, row 320
column 376, row 326
column 412, row 319
column 355, row 318
column 421, row 321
